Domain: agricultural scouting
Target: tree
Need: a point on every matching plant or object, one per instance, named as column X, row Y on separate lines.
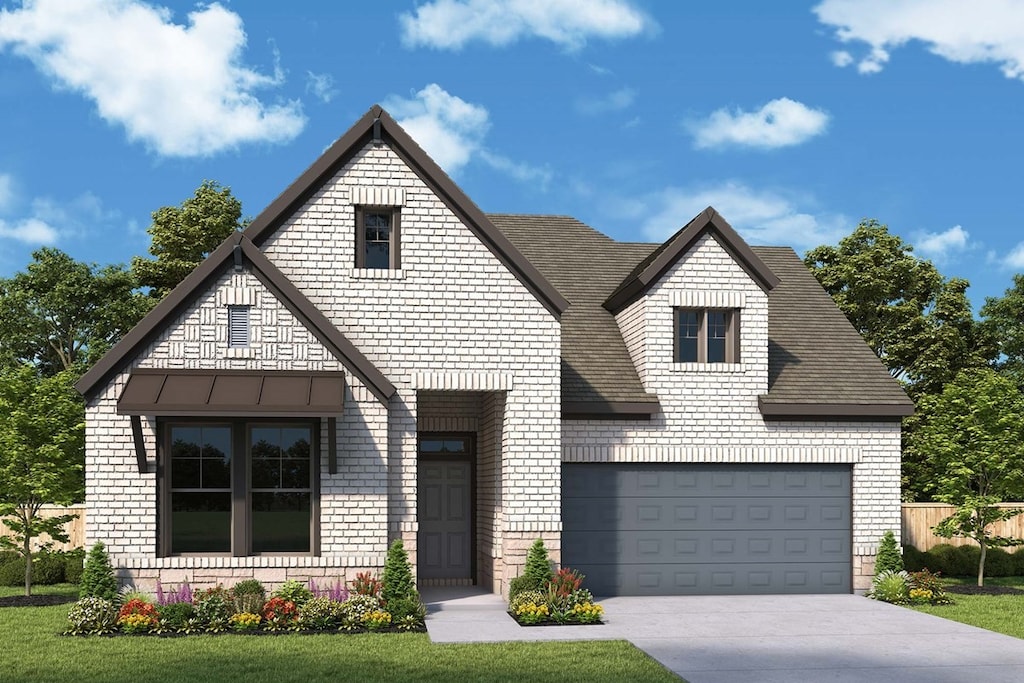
column 917, row 322
column 42, row 441
column 397, row 577
column 973, row 436
column 889, row 558
column 98, row 579
column 61, row 314
column 1003, row 317
column 182, row 236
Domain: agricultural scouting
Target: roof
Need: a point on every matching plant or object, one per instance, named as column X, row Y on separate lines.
column 378, row 124
column 818, row 365
column 235, row 249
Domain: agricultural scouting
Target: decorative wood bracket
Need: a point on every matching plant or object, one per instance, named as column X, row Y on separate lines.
column 140, row 444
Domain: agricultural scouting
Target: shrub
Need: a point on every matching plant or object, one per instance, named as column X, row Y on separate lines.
column 92, row 615
column 926, row 586
column 538, row 567
column 295, row 592
column 279, row 614
column 214, row 607
column 966, row 559
column 74, row 565
column 1018, row 562
column 562, row 586
column 998, row 562
column 914, row 560
column 407, row 607
column 47, row 569
column 12, row 573
column 526, row 598
column 249, row 596
column 98, row 576
column 940, row 559
column 320, row 614
column 888, row 558
column 520, row 584
column 352, row 610
column 175, row 616
column 366, row 583
column 397, row 580
column 891, row 587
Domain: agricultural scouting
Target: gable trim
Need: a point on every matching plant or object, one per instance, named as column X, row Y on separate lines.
column 377, row 124
column 193, row 286
column 668, row 254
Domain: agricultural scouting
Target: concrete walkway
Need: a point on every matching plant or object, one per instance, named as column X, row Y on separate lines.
column 760, row 639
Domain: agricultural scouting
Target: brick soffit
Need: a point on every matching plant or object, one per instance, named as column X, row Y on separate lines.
column 391, row 134
column 193, row 286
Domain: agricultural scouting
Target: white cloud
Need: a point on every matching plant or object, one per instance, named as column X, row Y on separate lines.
column 48, row 221
column 451, row 24
column 761, row 216
column 452, row 132
column 616, row 100
column 181, row 90
column 939, row 246
column 321, row 85
column 780, row 123
column 28, row 230
column 841, row 58
column 1015, row 259
column 991, row 31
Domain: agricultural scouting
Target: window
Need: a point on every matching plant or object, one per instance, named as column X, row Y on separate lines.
column 238, row 327
column 377, row 243
column 707, row 335
column 239, row 488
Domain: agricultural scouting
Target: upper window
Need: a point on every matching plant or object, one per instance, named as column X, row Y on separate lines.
column 238, row 488
column 238, row 327
column 707, row 335
column 377, row 232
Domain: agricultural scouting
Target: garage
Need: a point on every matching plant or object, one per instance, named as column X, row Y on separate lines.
column 708, row 529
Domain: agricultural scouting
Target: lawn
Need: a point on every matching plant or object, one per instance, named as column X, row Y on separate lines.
column 999, row 613
column 33, row 651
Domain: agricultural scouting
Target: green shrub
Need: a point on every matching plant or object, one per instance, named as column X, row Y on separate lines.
column 249, row 596
column 998, row 562
column 214, row 607
column 914, row 560
column 98, row 576
column 1018, row 562
column 356, row 607
column 175, row 616
column 295, row 591
column 404, row 607
column 888, row 558
column 74, row 565
column 538, row 566
column 527, row 597
column 942, row 557
column 397, row 577
column 320, row 614
column 12, row 572
column 92, row 616
column 891, row 587
column 966, row 559
column 48, row 569
column 926, row 587
column 520, row 584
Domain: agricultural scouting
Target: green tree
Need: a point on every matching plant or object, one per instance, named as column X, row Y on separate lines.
column 397, row 577
column 42, row 441
column 1003, row 317
column 538, row 567
column 889, row 557
column 919, row 323
column 61, row 314
column 973, row 437
column 182, row 236
column 98, row 579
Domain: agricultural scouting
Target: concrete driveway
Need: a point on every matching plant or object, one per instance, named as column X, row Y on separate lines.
column 762, row 639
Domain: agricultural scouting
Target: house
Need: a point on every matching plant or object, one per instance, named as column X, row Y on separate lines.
column 375, row 358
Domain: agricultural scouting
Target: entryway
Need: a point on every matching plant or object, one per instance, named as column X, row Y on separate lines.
column 445, row 541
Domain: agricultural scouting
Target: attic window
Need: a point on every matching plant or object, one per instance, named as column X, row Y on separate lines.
column 238, row 327
column 707, row 335
column 377, row 237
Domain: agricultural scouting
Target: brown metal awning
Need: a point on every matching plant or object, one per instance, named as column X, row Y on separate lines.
column 232, row 393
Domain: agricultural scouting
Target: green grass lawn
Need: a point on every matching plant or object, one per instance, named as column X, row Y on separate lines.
column 999, row 613
column 33, row 651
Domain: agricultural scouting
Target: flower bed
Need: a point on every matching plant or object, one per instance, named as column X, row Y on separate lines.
column 542, row 598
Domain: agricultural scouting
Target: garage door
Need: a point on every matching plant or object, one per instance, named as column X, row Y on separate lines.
column 707, row 529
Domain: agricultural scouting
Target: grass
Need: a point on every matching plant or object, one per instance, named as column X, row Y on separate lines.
column 999, row 613
column 33, row 651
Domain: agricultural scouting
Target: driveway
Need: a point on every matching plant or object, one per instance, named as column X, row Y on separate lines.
column 762, row 639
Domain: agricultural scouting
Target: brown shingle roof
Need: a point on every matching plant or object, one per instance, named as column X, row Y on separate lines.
column 818, row 365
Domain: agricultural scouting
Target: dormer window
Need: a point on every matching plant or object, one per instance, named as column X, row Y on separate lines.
column 377, row 237
column 707, row 335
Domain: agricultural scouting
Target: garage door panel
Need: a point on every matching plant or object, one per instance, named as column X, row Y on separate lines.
column 646, row 529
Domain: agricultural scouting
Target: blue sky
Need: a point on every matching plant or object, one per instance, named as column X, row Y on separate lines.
column 795, row 120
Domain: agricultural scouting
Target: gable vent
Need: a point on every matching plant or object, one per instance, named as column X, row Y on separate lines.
column 238, row 327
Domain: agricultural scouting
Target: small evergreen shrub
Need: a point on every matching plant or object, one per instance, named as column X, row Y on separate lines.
column 914, row 560
column 538, row 566
column 48, row 569
column 98, row 576
column 175, row 616
column 942, row 557
column 888, row 558
column 397, row 580
column 519, row 585
column 998, row 562
column 294, row 591
column 1018, row 562
column 12, row 573
column 249, row 596
column 407, row 607
column 966, row 559
column 74, row 565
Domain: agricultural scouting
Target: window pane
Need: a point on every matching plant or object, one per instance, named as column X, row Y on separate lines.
column 687, row 336
column 185, row 473
column 280, row 522
column 266, row 442
column 687, row 351
column 217, row 442
column 716, row 336
column 294, row 474
column 185, row 442
column 378, row 255
column 431, row 446
column 266, row 473
column 377, row 239
column 216, row 473
column 200, row 522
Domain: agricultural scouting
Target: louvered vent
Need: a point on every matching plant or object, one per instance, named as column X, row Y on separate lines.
column 238, row 327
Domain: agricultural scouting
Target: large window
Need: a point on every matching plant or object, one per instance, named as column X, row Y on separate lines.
column 377, row 237
column 238, row 487
column 707, row 335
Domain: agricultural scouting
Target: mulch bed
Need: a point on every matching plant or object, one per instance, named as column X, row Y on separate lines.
column 554, row 623
column 964, row 589
column 36, row 600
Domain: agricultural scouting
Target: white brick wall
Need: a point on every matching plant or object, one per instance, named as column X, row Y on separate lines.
column 709, row 412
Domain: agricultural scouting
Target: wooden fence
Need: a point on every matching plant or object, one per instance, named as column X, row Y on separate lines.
column 919, row 518
column 75, row 528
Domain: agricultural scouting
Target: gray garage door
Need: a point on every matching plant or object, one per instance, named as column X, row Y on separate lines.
column 707, row 529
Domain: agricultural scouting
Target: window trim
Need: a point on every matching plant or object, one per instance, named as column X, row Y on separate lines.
column 394, row 241
column 732, row 335
column 241, row 483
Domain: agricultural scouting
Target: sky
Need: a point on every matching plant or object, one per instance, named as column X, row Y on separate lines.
column 794, row 120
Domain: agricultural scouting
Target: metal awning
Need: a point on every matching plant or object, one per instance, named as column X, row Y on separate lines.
column 232, row 393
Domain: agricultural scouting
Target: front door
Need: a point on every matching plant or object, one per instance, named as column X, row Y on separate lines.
column 445, row 509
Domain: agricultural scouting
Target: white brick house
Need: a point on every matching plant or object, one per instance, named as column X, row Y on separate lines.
column 375, row 358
